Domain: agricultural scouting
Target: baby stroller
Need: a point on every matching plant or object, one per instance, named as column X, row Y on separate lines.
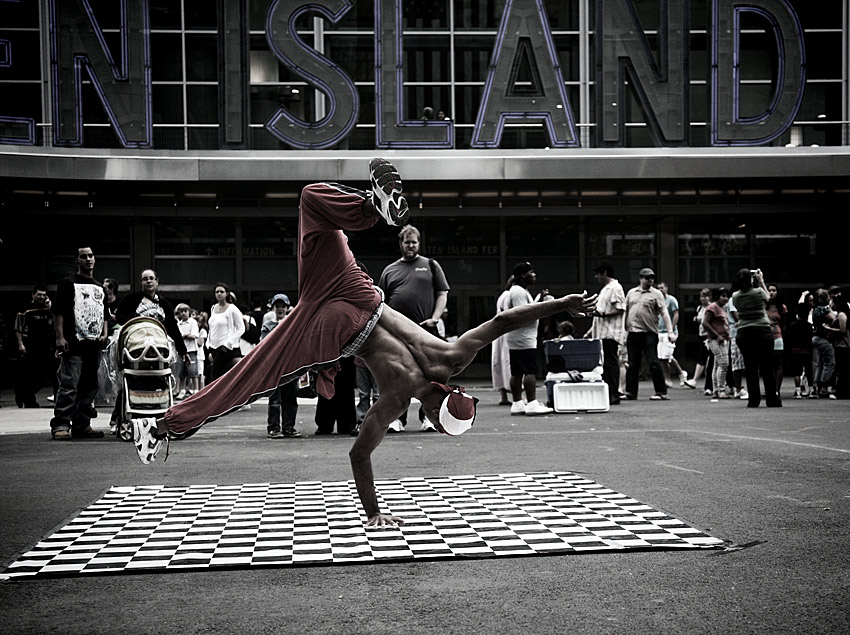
column 144, row 354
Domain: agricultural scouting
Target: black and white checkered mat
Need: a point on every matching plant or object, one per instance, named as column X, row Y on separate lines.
column 159, row 528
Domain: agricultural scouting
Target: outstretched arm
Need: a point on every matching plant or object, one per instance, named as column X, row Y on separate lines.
column 474, row 340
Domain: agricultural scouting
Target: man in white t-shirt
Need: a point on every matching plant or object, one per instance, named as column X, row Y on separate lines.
column 609, row 327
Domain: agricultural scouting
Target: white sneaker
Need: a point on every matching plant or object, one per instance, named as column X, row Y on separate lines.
column 395, row 426
column 518, row 408
column 535, row 408
column 683, row 378
column 427, row 426
column 689, row 383
column 743, row 394
column 145, row 440
column 386, row 192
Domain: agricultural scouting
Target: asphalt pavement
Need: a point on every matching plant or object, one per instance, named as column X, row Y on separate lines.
column 773, row 483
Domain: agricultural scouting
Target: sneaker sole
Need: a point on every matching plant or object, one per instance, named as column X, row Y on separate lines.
column 386, row 178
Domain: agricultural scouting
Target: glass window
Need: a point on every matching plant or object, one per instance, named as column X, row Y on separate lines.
column 204, row 272
column 549, row 244
column 472, row 237
column 202, row 104
column 699, row 58
column 27, row 103
column 200, row 14
column 107, row 13
column 712, row 259
column 269, row 249
column 823, row 55
column 167, row 104
column 567, row 49
column 772, row 257
column 210, row 240
column 426, row 58
column 417, row 98
column 201, row 58
column 472, row 57
column 93, row 110
column 271, row 273
column 628, row 243
column 257, row 10
column 21, row 55
column 297, row 99
column 165, row 14
column 111, row 246
column 271, row 238
column 20, row 15
column 563, row 16
column 166, row 57
column 476, row 15
column 355, row 54
column 421, row 16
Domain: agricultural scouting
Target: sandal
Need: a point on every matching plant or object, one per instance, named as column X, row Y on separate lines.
column 659, row 397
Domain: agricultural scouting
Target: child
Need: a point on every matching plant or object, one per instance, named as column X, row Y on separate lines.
column 283, row 402
column 187, row 383
column 566, row 330
column 799, row 336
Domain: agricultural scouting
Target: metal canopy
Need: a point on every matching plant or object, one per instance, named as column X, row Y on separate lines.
column 449, row 165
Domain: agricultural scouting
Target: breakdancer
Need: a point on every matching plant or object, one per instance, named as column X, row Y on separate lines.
column 340, row 313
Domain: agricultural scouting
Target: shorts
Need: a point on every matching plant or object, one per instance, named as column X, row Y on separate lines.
column 665, row 347
column 190, row 370
column 523, row 362
column 800, row 364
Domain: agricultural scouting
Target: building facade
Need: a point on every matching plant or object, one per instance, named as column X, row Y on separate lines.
column 692, row 136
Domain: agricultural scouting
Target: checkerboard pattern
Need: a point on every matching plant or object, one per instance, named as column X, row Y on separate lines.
column 164, row 528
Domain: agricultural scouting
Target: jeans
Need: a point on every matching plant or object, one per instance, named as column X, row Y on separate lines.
column 367, row 389
column 756, row 345
column 283, row 402
column 842, row 368
column 826, row 361
column 720, row 353
column 640, row 345
column 77, row 376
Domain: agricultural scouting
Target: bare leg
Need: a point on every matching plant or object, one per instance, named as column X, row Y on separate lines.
column 529, row 384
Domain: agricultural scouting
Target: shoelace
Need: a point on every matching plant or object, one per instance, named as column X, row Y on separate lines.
column 167, row 447
column 167, row 438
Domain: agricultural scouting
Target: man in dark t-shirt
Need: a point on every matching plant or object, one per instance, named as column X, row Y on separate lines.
column 416, row 287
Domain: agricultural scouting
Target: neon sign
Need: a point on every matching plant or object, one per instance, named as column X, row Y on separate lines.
column 624, row 62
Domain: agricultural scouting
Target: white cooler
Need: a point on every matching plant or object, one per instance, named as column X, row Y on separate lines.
column 582, row 396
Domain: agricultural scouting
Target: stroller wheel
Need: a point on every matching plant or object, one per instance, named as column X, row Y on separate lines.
column 125, row 430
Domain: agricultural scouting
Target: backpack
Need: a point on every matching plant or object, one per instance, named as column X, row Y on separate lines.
column 252, row 329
